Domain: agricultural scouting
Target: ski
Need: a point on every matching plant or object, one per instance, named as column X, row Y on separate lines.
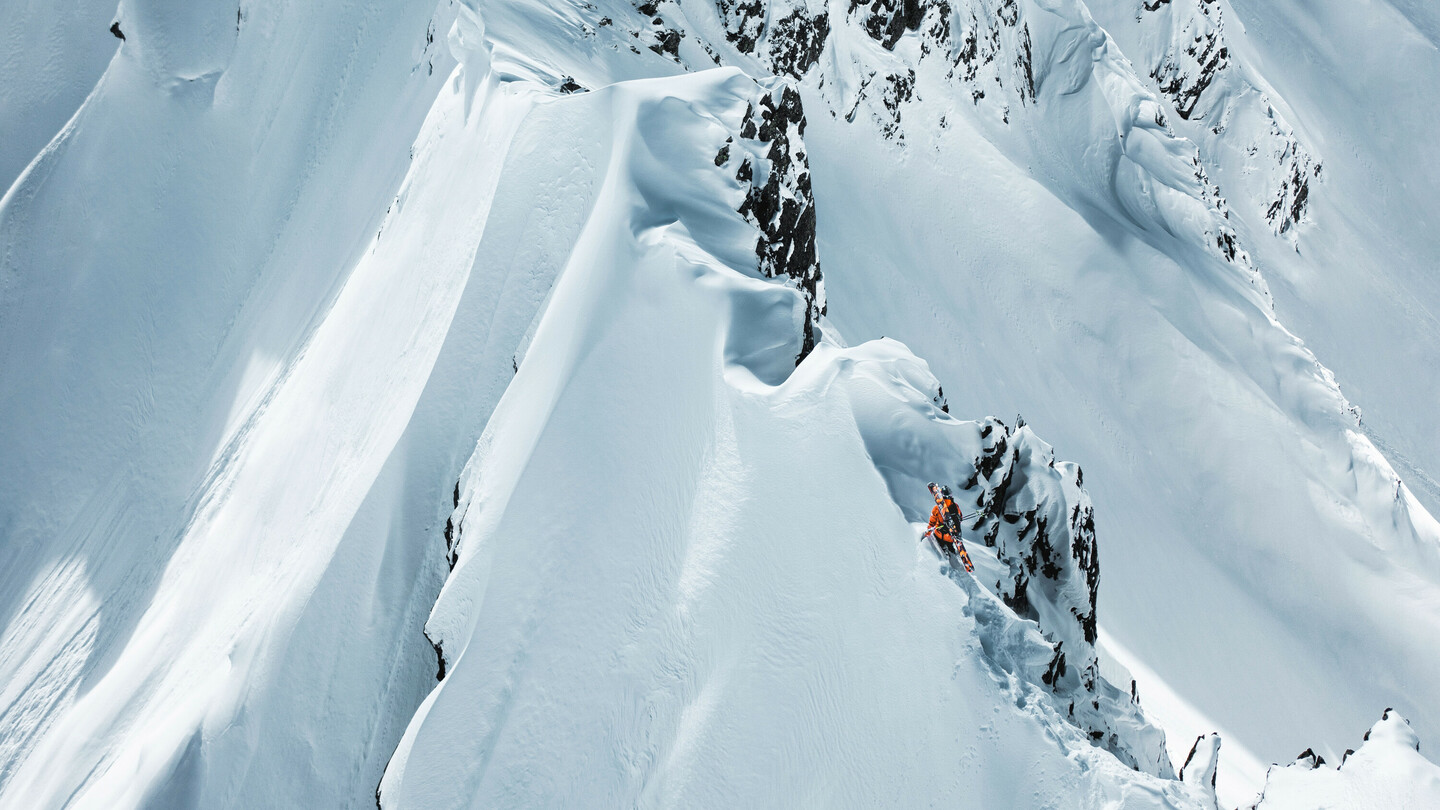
column 948, row 557
column 952, row 519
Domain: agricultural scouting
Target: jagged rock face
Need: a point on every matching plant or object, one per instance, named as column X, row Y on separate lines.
column 887, row 20
column 1191, row 66
column 796, row 42
column 980, row 46
column 1197, row 54
column 985, row 46
column 789, row 39
column 1296, row 168
column 1047, row 539
column 780, row 202
column 993, row 58
column 1036, row 517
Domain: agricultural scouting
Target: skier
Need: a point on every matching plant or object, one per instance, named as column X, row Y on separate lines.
column 940, row 527
column 945, row 526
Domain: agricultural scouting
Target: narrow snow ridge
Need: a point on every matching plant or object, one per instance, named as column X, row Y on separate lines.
column 696, row 581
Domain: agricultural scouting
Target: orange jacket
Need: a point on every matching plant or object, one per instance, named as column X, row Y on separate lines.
column 937, row 519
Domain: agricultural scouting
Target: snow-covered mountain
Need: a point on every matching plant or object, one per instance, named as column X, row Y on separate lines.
column 512, row 403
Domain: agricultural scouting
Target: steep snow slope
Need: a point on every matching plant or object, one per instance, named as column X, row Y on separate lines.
column 50, row 56
column 254, row 316
column 1361, row 288
column 166, row 521
column 1277, row 534
column 692, row 588
column 1297, row 86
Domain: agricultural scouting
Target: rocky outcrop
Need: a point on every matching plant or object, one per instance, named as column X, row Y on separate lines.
column 1295, row 168
column 1042, row 527
column 1386, row 771
column 780, row 202
column 789, row 38
column 1200, row 766
column 796, row 42
column 1191, row 66
column 1035, row 516
column 885, row 21
column 1195, row 57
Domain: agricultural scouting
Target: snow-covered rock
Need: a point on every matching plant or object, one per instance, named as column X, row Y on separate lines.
column 1201, row 766
column 623, row 618
column 1387, row 770
column 320, row 319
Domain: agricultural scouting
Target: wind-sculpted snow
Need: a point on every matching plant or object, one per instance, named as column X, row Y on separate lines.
column 1037, row 527
column 696, row 583
column 1222, row 105
column 53, row 56
column 310, row 312
column 211, row 565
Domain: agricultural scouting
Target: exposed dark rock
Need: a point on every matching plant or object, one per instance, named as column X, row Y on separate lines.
column 1008, row 12
column 115, row 29
column 744, row 22
column 1025, row 64
column 1056, row 670
column 885, row 21
column 796, row 42
column 452, row 531
column 780, row 201
column 1195, row 59
column 668, row 43
column 439, row 657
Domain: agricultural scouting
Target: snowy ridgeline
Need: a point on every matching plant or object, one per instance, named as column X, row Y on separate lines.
column 918, row 66
column 683, row 558
column 704, row 582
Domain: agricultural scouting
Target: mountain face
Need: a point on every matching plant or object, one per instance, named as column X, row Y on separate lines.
column 501, row 403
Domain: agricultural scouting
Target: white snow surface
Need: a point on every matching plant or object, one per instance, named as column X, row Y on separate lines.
column 300, row 302
column 644, row 583
column 1387, row 771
